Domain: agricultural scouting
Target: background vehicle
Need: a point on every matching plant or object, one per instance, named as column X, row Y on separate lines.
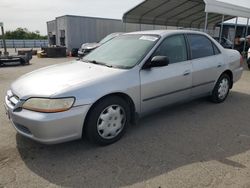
column 225, row 42
column 5, row 58
column 88, row 47
column 11, row 59
column 129, row 76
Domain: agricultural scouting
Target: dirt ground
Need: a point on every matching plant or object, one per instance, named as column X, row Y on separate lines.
column 196, row 144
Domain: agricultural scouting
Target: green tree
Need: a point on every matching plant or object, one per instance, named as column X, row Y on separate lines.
column 23, row 33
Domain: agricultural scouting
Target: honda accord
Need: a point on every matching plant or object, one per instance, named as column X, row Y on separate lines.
column 125, row 78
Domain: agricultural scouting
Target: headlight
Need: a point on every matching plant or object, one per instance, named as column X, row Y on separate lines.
column 48, row 105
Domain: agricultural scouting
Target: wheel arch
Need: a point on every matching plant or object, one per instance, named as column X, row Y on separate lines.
column 230, row 74
column 123, row 96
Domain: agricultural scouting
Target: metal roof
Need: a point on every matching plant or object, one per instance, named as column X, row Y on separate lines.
column 183, row 13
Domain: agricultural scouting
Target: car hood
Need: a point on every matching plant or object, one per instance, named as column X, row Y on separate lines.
column 53, row 80
column 90, row 46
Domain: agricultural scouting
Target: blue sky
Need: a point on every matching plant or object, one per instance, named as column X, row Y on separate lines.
column 33, row 14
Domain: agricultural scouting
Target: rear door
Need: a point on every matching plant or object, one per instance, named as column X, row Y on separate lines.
column 165, row 85
column 207, row 62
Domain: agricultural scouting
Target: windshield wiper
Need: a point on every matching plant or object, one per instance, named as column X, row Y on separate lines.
column 87, row 61
column 97, row 63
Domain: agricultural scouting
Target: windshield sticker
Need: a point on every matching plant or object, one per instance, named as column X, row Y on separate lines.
column 150, row 38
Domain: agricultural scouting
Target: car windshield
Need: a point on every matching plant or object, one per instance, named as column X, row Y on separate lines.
column 107, row 38
column 122, row 52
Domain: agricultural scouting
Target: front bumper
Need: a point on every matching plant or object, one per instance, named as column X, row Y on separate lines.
column 48, row 128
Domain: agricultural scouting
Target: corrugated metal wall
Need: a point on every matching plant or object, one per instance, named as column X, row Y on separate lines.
column 82, row 30
column 51, row 27
column 79, row 30
column 62, row 25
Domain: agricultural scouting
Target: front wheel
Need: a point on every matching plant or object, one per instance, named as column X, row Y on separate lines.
column 107, row 121
column 221, row 89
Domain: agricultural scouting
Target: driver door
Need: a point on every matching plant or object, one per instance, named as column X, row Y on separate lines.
column 165, row 85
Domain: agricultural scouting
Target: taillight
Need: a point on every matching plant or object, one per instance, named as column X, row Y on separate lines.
column 241, row 61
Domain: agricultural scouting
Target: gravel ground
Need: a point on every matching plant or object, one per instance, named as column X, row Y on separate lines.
column 196, row 144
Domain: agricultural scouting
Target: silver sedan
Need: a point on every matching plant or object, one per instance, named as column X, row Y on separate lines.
column 125, row 78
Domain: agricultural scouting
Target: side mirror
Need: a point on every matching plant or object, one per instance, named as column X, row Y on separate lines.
column 158, row 61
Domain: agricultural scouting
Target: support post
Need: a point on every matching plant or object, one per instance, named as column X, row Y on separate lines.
column 246, row 33
column 221, row 28
column 205, row 27
column 4, row 42
column 235, row 31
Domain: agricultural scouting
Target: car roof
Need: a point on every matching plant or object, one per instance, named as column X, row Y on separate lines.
column 116, row 33
column 165, row 32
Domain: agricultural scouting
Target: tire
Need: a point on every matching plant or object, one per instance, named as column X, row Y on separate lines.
column 221, row 89
column 107, row 121
column 249, row 66
column 22, row 61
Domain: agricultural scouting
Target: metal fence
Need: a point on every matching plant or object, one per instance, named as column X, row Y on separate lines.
column 13, row 43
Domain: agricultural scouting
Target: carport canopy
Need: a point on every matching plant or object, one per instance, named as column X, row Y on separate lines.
column 184, row 13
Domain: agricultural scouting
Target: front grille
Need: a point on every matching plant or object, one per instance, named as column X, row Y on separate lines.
column 22, row 128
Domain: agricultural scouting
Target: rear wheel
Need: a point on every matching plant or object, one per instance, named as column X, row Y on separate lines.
column 107, row 121
column 221, row 89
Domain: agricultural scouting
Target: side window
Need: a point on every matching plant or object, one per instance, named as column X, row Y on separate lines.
column 200, row 46
column 174, row 47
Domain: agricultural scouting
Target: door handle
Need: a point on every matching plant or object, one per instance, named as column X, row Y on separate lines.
column 186, row 73
column 219, row 65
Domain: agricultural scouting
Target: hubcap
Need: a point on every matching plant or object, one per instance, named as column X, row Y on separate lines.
column 111, row 121
column 223, row 88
